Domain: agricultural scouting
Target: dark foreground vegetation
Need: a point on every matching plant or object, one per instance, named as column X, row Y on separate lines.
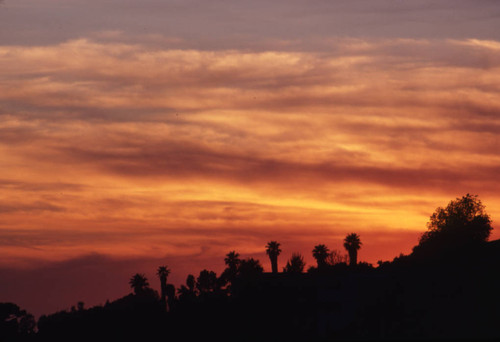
column 447, row 288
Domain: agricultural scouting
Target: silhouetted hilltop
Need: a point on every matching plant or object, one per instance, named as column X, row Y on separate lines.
column 447, row 288
column 445, row 299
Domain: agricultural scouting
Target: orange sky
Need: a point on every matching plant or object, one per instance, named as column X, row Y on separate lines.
column 146, row 149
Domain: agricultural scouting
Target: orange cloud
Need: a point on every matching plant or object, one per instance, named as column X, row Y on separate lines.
column 125, row 150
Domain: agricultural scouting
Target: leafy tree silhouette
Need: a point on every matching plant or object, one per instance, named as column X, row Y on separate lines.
column 15, row 324
column 352, row 243
column 250, row 268
column 464, row 221
column 320, row 253
column 273, row 250
column 249, row 273
column 191, row 282
column 188, row 292
column 80, row 306
column 163, row 272
column 206, row 282
column 296, row 264
column 138, row 283
column 335, row 257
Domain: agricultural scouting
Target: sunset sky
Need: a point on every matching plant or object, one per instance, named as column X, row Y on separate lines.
column 140, row 133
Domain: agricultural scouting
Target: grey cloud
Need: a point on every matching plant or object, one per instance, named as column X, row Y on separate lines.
column 39, row 206
column 18, row 135
column 289, row 89
column 39, row 187
column 36, row 238
column 170, row 160
column 239, row 24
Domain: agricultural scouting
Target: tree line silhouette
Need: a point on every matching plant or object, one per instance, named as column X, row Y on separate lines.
column 446, row 288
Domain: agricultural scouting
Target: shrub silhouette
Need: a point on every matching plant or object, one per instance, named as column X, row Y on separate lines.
column 296, row 264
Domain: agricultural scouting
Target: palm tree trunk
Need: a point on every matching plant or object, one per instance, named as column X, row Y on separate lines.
column 353, row 257
column 274, row 264
column 163, row 282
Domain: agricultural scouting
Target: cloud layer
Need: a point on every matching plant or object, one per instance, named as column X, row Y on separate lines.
column 371, row 136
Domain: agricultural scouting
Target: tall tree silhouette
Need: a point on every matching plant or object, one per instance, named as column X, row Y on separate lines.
column 296, row 264
column 273, row 250
column 352, row 244
column 320, row 253
column 138, row 283
column 463, row 221
column 163, row 273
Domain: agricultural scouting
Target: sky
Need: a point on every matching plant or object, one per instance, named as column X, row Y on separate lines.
column 167, row 132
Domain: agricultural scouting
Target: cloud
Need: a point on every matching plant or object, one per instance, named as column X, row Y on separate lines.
column 118, row 82
column 185, row 161
column 35, row 186
column 31, row 207
column 258, row 26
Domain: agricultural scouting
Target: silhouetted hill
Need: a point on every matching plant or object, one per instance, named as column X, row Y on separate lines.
column 451, row 296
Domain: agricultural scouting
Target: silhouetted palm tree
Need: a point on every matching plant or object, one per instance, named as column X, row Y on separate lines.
column 320, row 253
column 352, row 243
column 162, row 273
column 296, row 264
column 139, row 283
column 273, row 250
column 232, row 260
column 170, row 291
